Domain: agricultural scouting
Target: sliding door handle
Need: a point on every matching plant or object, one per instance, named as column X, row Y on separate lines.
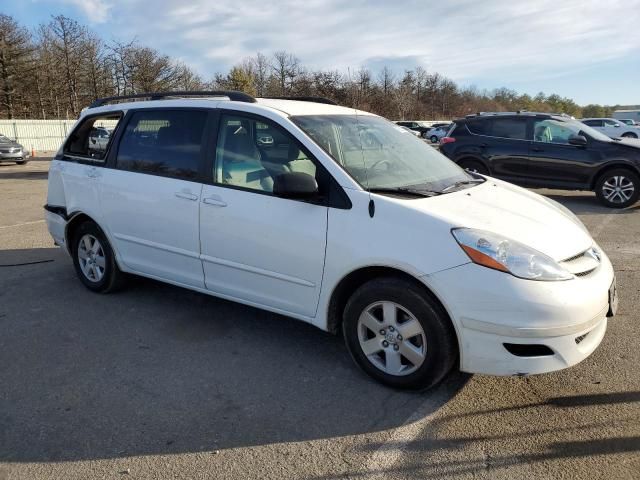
column 187, row 196
column 216, row 202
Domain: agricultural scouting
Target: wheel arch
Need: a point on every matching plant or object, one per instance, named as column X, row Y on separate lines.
column 611, row 166
column 356, row 278
column 473, row 158
column 78, row 218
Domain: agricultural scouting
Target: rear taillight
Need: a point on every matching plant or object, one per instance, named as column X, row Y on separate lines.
column 444, row 140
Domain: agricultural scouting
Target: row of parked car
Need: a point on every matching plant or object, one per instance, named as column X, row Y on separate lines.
column 430, row 131
column 554, row 151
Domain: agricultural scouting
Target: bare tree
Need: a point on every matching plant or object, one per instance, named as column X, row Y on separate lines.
column 15, row 60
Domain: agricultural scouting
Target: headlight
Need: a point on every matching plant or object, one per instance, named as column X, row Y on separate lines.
column 500, row 253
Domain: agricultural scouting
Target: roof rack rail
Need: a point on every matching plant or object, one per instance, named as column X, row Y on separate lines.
column 231, row 94
column 305, row 99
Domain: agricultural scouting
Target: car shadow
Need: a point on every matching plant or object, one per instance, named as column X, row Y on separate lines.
column 23, row 175
column 584, row 203
column 157, row 369
column 433, row 455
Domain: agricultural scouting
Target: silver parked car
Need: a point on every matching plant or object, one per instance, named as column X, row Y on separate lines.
column 12, row 151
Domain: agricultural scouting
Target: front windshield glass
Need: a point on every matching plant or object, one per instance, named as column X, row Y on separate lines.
column 380, row 154
column 580, row 128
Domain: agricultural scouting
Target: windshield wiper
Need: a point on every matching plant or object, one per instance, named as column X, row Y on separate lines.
column 461, row 183
column 405, row 191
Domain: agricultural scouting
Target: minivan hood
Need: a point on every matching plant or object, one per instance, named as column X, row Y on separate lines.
column 514, row 212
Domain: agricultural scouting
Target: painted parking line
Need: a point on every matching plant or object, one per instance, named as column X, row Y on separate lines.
column 21, row 224
column 380, row 464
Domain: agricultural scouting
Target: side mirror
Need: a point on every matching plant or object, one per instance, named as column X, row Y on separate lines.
column 295, row 185
column 577, row 140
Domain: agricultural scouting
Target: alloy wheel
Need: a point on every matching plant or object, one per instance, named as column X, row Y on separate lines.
column 91, row 258
column 618, row 189
column 392, row 338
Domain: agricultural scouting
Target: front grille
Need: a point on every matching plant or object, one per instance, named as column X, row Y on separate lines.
column 583, row 263
column 581, row 338
column 575, row 257
column 585, row 273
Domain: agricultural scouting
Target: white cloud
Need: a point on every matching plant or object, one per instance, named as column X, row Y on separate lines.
column 463, row 39
column 95, row 11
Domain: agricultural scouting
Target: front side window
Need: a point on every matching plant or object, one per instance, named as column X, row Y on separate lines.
column 163, row 142
column 92, row 137
column 611, row 123
column 380, row 154
column 251, row 153
column 552, row 131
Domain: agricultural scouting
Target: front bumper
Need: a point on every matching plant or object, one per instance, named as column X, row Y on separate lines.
column 12, row 157
column 491, row 308
column 56, row 224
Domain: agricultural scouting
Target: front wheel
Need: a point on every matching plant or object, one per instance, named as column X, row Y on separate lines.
column 22, row 162
column 618, row 188
column 398, row 334
column 629, row 135
column 434, row 139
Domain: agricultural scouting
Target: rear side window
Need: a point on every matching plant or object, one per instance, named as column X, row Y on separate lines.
column 515, row 128
column 593, row 123
column 92, row 137
column 163, row 142
column 479, row 127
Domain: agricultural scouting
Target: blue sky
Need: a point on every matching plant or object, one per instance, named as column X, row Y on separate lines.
column 583, row 49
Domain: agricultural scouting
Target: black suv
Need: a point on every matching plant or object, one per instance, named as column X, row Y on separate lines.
column 546, row 150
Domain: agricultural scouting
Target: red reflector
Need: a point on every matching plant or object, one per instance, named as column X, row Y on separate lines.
column 444, row 140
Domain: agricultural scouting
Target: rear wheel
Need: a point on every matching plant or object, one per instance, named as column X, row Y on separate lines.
column 618, row 188
column 22, row 162
column 398, row 334
column 473, row 166
column 94, row 260
column 434, row 139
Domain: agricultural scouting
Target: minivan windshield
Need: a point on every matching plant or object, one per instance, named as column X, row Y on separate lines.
column 381, row 155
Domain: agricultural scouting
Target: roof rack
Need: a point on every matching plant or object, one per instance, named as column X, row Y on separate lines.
column 230, row 94
column 305, row 99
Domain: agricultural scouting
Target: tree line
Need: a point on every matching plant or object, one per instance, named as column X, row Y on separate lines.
column 58, row 68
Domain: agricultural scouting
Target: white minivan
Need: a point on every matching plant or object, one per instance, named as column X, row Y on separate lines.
column 343, row 220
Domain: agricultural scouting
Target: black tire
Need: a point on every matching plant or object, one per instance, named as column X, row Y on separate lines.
column 434, row 139
column 22, row 162
column 629, row 135
column 626, row 180
column 112, row 278
column 441, row 344
column 474, row 166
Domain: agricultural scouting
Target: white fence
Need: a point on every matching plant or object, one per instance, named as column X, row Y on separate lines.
column 39, row 135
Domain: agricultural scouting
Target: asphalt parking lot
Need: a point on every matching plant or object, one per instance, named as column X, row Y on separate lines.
column 159, row 382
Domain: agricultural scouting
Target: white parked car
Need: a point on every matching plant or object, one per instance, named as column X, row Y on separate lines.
column 345, row 222
column 435, row 134
column 612, row 127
